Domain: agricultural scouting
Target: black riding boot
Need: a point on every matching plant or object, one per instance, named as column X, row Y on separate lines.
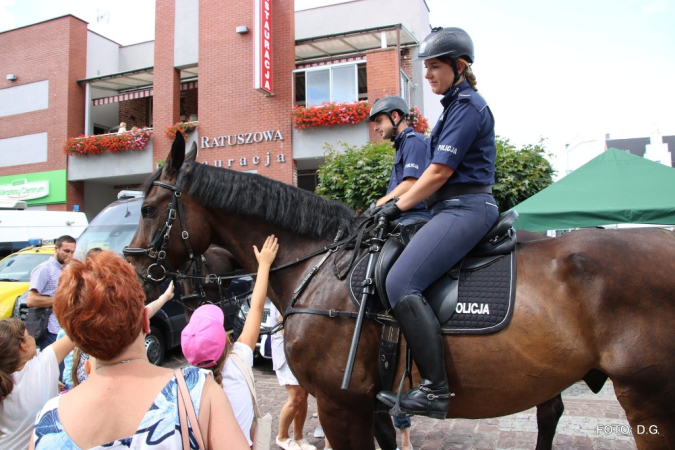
column 423, row 335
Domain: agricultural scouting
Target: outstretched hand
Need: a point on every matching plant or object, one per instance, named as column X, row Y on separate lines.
column 268, row 252
column 168, row 294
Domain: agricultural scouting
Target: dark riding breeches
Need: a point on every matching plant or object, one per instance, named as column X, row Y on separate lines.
column 457, row 225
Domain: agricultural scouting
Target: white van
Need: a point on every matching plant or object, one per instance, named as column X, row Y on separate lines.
column 18, row 227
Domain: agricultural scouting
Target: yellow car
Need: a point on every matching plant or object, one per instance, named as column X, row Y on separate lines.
column 15, row 274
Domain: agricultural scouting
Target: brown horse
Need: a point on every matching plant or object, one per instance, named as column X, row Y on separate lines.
column 201, row 285
column 590, row 301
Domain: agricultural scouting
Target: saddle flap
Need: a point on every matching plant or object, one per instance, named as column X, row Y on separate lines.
column 442, row 296
column 390, row 252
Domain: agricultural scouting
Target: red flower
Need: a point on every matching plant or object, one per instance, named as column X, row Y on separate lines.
column 418, row 121
column 329, row 115
column 108, row 143
column 183, row 127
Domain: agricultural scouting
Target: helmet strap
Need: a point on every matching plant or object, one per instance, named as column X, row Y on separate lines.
column 394, row 132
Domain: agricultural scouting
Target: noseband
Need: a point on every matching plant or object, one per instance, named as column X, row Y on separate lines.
column 157, row 248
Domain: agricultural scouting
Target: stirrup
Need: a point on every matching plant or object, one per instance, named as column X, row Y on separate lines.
column 396, row 410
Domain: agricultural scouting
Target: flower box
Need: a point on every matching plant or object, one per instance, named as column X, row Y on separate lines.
column 108, row 143
column 329, row 115
column 184, row 127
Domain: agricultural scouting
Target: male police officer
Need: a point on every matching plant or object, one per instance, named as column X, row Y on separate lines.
column 389, row 114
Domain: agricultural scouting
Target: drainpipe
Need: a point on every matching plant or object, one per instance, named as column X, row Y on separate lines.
column 88, row 129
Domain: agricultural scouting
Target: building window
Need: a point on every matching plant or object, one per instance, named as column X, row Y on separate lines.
column 308, row 180
column 341, row 83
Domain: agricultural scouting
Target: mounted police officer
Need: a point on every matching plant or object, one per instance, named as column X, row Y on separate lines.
column 390, row 116
column 457, row 187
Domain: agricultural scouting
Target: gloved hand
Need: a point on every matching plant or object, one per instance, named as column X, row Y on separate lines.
column 372, row 210
column 390, row 211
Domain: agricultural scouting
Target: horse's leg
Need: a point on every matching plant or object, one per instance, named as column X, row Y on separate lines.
column 385, row 433
column 651, row 416
column 548, row 414
column 347, row 428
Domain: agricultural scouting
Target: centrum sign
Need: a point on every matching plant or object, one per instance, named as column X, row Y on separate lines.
column 263, row 46
column 37, row 188
column 24, row 190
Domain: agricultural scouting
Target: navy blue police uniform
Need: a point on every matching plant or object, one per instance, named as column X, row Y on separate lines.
column 411, row 162
column 463, row 209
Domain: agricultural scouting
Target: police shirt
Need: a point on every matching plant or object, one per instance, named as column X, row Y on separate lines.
column 464, row 137
column 411, row 159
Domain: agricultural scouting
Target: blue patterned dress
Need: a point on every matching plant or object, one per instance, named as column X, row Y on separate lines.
column 160, row 427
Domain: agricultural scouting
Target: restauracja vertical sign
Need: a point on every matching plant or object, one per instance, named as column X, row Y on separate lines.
column 263, row 46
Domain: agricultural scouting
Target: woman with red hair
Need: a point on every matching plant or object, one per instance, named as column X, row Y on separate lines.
column 126, row 401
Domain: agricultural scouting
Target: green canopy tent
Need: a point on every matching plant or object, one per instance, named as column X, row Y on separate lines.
column 614, row 187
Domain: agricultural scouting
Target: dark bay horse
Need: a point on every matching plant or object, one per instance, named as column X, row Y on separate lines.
column 591, row 300
column 196, row 289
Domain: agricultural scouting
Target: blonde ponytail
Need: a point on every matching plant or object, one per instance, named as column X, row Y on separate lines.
column 468, row 74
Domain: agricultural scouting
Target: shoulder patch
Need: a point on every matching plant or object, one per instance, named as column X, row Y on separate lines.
column 464, row 97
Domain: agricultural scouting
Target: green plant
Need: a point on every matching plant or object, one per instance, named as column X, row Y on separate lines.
column 356, row 176
column 520, row 173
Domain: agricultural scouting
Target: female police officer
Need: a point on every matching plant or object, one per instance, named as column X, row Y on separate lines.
column 457, row 188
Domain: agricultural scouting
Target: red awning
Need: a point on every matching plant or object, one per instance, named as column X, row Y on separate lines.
column 138, row 94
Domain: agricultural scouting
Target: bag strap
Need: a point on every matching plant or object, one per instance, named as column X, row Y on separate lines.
column 186, row 408
column 239, row 361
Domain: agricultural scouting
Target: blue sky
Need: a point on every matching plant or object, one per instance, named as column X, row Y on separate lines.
column 570, row 71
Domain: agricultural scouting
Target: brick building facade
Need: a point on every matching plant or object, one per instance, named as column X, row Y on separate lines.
column 59, row 61
column 200, row 65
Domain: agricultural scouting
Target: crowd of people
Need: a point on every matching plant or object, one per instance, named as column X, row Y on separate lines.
column 445, row 179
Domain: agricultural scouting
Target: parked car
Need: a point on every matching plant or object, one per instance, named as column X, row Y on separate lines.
column 112, row 229
column 244, row 286
column 15, row 272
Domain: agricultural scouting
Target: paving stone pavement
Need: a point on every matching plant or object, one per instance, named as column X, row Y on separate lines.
column 590, row 421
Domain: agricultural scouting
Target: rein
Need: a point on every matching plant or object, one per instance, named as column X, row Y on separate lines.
column 158, row 245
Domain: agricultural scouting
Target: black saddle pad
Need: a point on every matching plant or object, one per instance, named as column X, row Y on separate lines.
column 486, row 294
column 486, row 297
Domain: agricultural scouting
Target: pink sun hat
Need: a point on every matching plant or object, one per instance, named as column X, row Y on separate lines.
column 203, row 339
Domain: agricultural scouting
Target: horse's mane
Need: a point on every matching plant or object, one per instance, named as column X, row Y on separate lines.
column 290, row 208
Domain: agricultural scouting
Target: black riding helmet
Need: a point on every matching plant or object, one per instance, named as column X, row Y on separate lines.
column 387, row 105
column 451, row 42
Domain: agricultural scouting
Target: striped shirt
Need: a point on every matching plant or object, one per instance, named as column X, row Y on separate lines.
column 44, row 278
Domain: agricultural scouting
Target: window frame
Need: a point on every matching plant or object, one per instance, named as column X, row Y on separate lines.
column 330, row 68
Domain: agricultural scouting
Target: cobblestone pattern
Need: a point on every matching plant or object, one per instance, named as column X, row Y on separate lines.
column 590, row 421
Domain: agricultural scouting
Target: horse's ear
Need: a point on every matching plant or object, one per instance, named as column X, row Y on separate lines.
column 192, row 154
column 176, row 157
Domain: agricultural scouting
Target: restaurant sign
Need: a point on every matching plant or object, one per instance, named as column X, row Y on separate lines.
column 263, row 46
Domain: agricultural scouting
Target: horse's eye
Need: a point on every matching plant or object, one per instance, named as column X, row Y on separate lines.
column 148, row 211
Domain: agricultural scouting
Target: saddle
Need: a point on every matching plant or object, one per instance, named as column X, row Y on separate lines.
column 474, row 297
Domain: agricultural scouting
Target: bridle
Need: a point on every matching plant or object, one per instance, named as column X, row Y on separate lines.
column 159, row 243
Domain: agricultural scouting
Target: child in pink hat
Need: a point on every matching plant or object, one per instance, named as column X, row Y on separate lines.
column 205, row 343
